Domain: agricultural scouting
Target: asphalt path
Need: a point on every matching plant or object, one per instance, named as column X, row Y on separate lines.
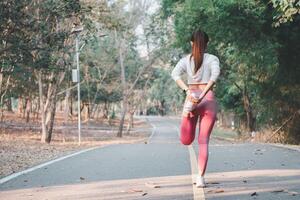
column 163, row 168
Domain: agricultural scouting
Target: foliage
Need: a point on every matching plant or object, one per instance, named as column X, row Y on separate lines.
column 286, row 11
column 257, row 59
column 164, row 93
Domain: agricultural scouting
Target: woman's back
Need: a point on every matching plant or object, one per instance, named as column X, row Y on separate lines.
column 209, row 69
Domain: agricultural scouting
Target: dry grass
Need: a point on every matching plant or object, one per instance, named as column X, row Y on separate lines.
column 267, row 135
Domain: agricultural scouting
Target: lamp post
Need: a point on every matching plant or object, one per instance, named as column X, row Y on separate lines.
column 76, row 78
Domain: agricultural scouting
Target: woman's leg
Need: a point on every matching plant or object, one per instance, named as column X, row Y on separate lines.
column 208, row 111
column 187, row 129
column 188, row 125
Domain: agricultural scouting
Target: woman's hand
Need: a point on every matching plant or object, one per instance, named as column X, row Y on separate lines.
column 190, row 97
column 200, row 98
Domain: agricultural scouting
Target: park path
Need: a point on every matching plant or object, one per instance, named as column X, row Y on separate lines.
column 161, row 168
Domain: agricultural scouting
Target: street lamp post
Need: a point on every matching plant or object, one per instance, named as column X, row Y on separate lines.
column 78, row 89
column 76, row 78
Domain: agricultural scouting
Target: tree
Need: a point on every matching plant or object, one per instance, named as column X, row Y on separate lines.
column 251, row 51
column 287, row 11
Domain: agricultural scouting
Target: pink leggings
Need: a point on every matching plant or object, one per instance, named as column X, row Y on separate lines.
column 207, row 110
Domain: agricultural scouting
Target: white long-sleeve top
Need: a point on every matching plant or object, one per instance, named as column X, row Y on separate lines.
column 209, row 70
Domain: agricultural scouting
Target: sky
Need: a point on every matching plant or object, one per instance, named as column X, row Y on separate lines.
column 142, row 49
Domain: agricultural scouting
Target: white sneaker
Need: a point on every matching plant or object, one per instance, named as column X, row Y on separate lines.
column 200, row 181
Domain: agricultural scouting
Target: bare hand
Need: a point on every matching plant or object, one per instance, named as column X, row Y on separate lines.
column 200, row 98
column 190, row 97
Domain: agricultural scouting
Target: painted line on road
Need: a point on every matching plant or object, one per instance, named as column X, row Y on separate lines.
column 198, row 192
column 14, row 175
column 153, row 131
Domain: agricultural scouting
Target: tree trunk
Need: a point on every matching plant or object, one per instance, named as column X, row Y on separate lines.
column 130, row 123
column 123, row 114
column 20, row 106
column 247, row 107
column 66, row 115
column 161, row 107
column 42, row 109
column 24, row 107
column 9, row 105
column 61, row 107
column 71, row 105
column 98, row 111
column 123, row 81
column 131, row 119
column 105, row 110
column 28, row 109
column 248, row 110
column 3, row 93
column 52, row 117
column 36, row 109
column 89, row 111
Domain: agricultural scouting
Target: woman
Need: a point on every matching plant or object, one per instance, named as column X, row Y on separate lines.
column 202, row 71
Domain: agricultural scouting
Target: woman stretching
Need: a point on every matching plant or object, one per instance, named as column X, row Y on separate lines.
column 202, row 71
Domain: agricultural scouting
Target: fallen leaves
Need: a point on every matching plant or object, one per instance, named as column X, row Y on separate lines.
column 254, row 194
column 216, row 191
column 134, row 190
column 20, row 154
column 213, row 182
column 293, row 193
column 259, row 151
column 152, row 185
column 277, row 191
column 143, row 192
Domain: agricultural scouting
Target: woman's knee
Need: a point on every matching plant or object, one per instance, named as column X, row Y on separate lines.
column 187, row 130
column 187, row 136
column 186, row 140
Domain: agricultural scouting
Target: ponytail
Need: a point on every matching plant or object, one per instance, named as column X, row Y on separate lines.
column 200, row 40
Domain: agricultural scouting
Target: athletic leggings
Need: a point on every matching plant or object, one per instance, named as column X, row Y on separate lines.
column 206, row 111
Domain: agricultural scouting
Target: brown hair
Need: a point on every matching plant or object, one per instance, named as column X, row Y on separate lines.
column 200, row 40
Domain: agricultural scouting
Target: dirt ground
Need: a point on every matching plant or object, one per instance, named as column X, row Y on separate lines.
column 20, row 146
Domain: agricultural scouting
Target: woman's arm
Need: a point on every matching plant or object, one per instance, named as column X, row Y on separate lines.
column 215, row 72
column 206, row 89
column 181, row 84
column 179, row 70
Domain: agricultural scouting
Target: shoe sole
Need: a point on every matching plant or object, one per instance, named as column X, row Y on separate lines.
column 200, row 186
